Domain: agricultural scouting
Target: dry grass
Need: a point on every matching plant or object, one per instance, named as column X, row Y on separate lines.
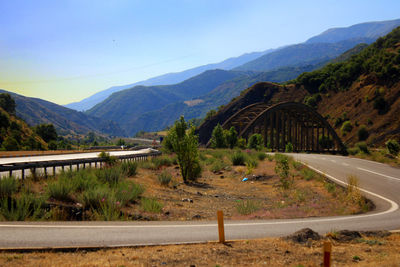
column 261, row 252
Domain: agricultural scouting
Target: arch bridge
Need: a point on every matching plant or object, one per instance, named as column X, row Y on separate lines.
column 283, row 123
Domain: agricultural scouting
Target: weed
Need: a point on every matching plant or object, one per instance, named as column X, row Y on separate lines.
column 92, row 197
column 282, row 169
column 261, row 156
column 108, row 159
column 331, row 187
column 127, row 192
column 362, row 146
column 110, row 175
column 161, row 161
column 251, row 164
column 297, row 165
column 8, row 186
column 247, row 207
column 270, row 157
column 60, row 189
column 217, row 166
column 147, row 164
column 151, row 205
column 164, row 178
column 22, row 208
column 307, row 174
column 109, row 210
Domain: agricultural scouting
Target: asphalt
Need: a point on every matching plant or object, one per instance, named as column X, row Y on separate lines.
column 379, row 182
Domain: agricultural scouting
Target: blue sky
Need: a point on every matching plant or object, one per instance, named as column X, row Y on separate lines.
column 64, row 51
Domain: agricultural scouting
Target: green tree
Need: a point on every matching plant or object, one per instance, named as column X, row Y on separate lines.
column 7, row 103
column 231, row 137
column 346, row 127
column 10, row 144
column 362, row 133
column 217, row 137
column 183, row 141
column 46, row 131
column 393, row 147
column 256, row 142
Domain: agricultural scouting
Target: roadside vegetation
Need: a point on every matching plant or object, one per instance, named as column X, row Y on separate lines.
column 389, row 154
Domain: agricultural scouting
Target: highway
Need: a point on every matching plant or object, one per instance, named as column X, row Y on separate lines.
column 379, row 182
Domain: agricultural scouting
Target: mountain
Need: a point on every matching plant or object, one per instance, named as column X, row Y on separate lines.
column 363, row 90
column 166, row 79
column 363, row 30
column 125, row 106
column 301, row 54
column 36, row 111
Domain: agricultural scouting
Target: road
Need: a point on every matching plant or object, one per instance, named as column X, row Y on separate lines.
column 379, row 182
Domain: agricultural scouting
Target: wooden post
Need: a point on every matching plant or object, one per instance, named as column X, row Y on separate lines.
column 327, row 253
column 23, row 173
column 221, row 231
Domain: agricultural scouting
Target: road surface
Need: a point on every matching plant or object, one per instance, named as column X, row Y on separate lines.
column 379, row 182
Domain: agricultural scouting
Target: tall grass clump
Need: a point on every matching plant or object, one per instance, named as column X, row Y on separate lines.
column 26, row 206
column 109, row 210
column 8, row 186
column 60, row 189
column 161, row 161
column 362, row 146
column 112, row 175
column 93, row 197
column 247, row 207
column 297, row 165
column 238, row 158
column 129, row 168
column 251, row 164
column 261, row 156
column 151, row 205
column 147, row 164
column 164, row 178
column 307, row 174
column 81, row 180
column 108, row 159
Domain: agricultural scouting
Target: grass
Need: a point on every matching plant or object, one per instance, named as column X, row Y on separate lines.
column 247, row 207
column 129, row 168
column 26, row 206
column 60, row 189
column 238, row 158
column 8, row 186
column 151, row 205
column 307, row 174
column 161, row 161
column 164, row 178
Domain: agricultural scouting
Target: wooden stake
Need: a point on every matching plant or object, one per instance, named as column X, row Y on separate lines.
column 221, row 231
column 327, row 253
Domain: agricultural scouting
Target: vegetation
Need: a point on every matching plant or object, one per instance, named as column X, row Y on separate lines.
column 256, row 142
column 247, row 207
column 362, row 133
column 238, row 158
column 151, row 205
column 164, row 178
column 282, row 169
column 346, row 127
column 393, row 147
column 218, row 139
column 182, row 140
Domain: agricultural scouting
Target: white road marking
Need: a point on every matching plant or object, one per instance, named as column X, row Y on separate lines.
column 377, row 173
column 345, row 164
column 332, row 160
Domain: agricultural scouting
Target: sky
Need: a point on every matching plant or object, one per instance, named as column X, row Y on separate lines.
column 63, row 51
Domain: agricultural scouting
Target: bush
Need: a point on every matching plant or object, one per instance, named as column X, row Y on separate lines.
column 22, row 208
column 238, row 158
column 346, row 127
column 393, row 147
column 282, row 169
column 241, row 143
column 147, row 164
column 353, row 150
column 289, row 147
column 81, row 180
column 231, row 137
column 94, row 196
column 164, row 178
column 60, row 189
column 185, row 145
column 297, row 165
column 151, row 205
column 362, row 146
column 108, row 159
column 217, row 166
column 217, row 137
column 256, row 142
column 161, row 161
column 109, row 210
column 8, row 186
column 127, row 192
column 129, row 168
column 251, row 164
column 261, row 156
column 307, row 174
column 362, row 133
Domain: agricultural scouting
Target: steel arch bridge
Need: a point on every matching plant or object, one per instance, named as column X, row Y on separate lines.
column 283, row 123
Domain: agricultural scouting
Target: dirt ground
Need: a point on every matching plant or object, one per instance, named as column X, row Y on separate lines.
column 224, row 190
column 365, row 251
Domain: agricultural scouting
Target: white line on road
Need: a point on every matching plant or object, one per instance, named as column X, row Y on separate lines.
column 345, row 164
column 377, row 173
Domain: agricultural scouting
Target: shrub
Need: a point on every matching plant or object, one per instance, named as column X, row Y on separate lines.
column 362, row 146
column 247, row 207
column 151, row 205
column 217, row 137
column 184, row 144
column 147, row 164
column 393, row 147
column 129, row 168
column 164, row 178
column 346, row 127
column 109, row 210
column 108, row 159
column 22, row 208
column 256, row 142
column 238, row 158
column 94, row 196
column 289, row 147
column 307, row 174
column 60, row 189
column 261, row 156
column 297, row 165
column 282, row 169
column 251, row 164
column 241, row 143
column 353, row 150
column 8, row 186
column 362, row 133
column 217, row 166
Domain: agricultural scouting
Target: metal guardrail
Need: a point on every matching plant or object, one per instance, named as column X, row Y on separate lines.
column 33, row 166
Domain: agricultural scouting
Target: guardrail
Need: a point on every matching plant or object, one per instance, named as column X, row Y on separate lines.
column 70, row 163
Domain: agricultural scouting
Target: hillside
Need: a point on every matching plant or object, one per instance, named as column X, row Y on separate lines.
column 36, row 111
column 167, row 79
column 311, row 53
column 364, row 90
column 15, row 134
column 125, row 106
column 363, row 30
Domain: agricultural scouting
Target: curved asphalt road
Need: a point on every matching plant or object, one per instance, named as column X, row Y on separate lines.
column 380, row 183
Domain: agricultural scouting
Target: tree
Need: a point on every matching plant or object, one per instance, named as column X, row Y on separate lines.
column 182, row 140
column 7, row 103
column 46, row 131
column 393, row 147
column 362, row 133
column 231, row 137
column 346, row 127
column 218, row 137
